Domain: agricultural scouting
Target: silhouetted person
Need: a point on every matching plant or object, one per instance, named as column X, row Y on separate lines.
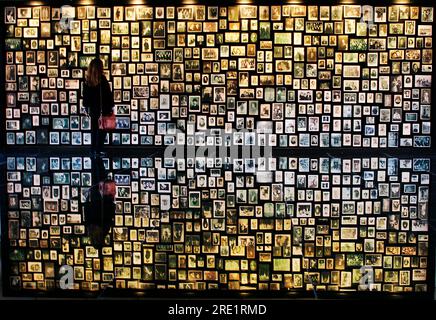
column 100, row 211
column 98, row 100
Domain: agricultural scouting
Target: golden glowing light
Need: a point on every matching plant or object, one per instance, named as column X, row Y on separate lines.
column 347, row 1
column 36, row 3
column 86, row 2
column 401, row 1
column 137, row 1
column 185, row 2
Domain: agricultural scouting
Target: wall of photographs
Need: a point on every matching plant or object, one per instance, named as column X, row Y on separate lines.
column 272, row 76
column 327, row 76
column 201, row 224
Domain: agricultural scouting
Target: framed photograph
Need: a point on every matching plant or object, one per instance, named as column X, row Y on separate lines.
column 10, row 15
column 194, row 200
column 194, row 103
column 51, row 206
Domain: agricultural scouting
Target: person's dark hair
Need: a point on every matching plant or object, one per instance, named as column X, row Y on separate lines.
column 94, row 72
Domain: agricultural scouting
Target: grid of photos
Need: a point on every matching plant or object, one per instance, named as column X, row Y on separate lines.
column 208, row 223
column 325, row 76
column 281, row 76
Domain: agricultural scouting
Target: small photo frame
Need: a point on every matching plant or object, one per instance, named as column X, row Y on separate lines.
column 10, row 15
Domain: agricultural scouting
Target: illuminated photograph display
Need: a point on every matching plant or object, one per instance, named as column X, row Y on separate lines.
column 325, row 76
column 281, row 148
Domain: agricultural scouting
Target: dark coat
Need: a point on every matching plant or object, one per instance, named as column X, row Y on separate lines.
column 98, row 99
